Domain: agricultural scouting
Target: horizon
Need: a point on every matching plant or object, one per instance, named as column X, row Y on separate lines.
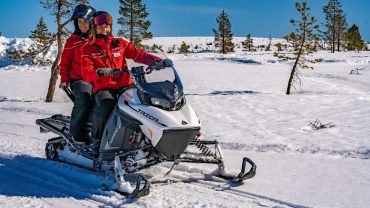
column 260, row 18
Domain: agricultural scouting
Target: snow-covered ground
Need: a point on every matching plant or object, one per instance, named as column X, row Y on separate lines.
column 240, row 99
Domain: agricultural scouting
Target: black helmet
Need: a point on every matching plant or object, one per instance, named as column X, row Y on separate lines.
column 83, row 11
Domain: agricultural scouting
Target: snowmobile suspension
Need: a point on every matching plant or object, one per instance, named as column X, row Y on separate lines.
column 202, row 146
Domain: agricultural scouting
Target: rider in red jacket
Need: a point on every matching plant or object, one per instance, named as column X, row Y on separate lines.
column 70, row 63
column 106, row 51
column 101, row 58
column 71, row 75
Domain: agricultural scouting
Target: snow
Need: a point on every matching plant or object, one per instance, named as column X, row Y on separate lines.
column 240, row 99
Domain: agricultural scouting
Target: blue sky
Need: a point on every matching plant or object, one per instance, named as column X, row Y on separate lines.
column 261, row 18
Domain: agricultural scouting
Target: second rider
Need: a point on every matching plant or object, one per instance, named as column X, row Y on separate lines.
column 102, row 57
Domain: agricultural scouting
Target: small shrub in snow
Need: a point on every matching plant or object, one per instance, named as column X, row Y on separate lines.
column 171, row 49
column 356, row 71
column 156, row 47
column 279, row 47
column 268, row 46
column 318, row 125
column 184, row 48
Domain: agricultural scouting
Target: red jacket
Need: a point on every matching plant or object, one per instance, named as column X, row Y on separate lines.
column 105, row 54
column 70, row 64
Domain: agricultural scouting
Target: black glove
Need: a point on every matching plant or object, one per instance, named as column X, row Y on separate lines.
column 158, row 65
column 166, row 63
column 104, row 72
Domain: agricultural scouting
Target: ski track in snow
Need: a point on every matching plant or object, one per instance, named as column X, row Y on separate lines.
column 193, row 177
column 363, row 153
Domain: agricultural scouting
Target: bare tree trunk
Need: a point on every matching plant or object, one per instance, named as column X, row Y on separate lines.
column 333, row 43
column 55, row 71
column 292, row 74
column 338, row 42
column 55, row 66
column 223, row 45
column 296, row 63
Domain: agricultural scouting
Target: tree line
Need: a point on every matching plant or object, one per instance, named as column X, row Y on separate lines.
column 134, row 25
column 335, row 36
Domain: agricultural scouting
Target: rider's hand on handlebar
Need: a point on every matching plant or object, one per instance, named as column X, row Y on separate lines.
column 104, row 72
column 166, row 63
column 63, row 85
column 158, row 65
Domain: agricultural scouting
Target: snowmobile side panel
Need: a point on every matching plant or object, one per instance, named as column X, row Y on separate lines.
column 117, row 134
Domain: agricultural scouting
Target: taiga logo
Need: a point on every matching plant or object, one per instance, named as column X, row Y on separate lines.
column 148, row 115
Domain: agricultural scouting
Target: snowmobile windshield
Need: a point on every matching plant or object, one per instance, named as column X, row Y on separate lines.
column 161, row 88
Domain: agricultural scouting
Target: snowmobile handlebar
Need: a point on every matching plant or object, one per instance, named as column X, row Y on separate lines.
column 69, row 93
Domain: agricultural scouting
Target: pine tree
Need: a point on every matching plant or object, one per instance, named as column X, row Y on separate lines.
column 354, row 40
column 268, row 46
column 42, row 40
column 224, row 36
column 184, row 48
column 248, row 44
column 302, row 40
column 335, row 23
column 134, row 25
column 1, row 34
column 41, row 33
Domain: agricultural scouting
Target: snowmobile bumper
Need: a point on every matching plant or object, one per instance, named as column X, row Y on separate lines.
column 175, row 141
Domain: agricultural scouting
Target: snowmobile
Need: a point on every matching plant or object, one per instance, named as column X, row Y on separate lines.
column 150, row 124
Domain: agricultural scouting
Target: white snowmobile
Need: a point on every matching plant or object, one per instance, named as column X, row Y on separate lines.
column 151, row 123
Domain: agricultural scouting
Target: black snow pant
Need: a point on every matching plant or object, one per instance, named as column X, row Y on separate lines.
column 82, row 91
column 105, row 102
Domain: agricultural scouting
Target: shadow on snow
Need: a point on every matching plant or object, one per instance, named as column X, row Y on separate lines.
column 27, row 176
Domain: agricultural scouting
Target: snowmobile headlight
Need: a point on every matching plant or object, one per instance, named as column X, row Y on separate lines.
column 160, row 102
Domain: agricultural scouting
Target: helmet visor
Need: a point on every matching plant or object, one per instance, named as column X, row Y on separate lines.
column 103, row 19
column 83, row 11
